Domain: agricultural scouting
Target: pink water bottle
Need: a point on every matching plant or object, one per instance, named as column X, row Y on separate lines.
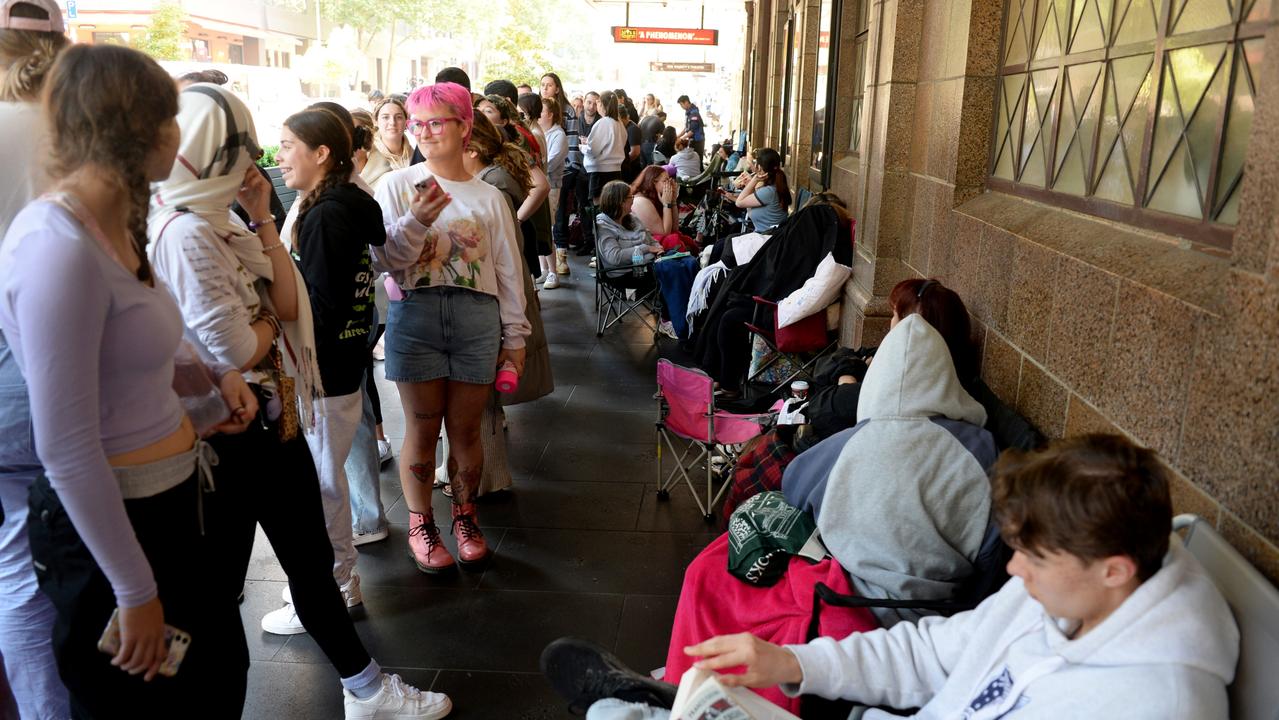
column 507, row 379
column 393, row 291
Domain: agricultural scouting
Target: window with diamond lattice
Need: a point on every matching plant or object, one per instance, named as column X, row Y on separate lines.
column 1136, row 110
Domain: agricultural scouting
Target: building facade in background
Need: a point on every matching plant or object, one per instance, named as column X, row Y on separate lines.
column 240, row 32
column 1098, row 179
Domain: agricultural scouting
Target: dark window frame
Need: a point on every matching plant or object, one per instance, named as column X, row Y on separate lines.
column 820, row 171
column 1205, row 230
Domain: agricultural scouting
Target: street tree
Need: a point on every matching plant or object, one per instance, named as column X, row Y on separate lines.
column 163, row 39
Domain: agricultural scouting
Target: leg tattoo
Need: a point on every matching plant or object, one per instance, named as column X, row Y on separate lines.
column 465, row 483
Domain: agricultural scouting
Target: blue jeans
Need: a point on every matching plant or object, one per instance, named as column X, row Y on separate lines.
column 26, row 614
column 362, row 471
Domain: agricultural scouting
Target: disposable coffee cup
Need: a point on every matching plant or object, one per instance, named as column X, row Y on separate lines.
column 799, row 389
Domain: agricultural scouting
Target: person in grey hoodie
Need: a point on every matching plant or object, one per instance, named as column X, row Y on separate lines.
column 902, row 499
column 619, row 238
column 1107, row 616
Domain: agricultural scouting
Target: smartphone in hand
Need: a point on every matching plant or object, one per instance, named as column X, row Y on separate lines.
column 175, row 641
column 428, row 186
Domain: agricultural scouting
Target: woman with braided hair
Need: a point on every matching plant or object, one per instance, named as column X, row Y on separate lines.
column 119, row 512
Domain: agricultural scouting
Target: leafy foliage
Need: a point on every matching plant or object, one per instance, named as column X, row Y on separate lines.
column 163, row 40
column 268, row 156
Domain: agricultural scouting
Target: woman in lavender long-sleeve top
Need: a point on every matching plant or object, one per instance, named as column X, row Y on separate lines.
column 116, row 516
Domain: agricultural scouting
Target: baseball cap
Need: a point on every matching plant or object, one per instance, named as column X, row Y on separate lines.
column 53, row 24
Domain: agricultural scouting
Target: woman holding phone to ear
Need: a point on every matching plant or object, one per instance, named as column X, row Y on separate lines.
column 453, row 250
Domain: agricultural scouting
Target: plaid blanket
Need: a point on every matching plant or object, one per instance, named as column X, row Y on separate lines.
column 759, row 468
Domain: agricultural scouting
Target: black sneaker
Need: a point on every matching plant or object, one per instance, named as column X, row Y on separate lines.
column 583, row 673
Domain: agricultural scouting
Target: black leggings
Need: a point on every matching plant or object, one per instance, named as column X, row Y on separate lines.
column 264, row 481
column 370, row 384
column 582, row 193
column 730, row 355
column 211, row 681
column 598, row 180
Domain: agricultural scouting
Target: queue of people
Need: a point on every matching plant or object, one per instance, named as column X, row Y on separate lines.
column 232, row 386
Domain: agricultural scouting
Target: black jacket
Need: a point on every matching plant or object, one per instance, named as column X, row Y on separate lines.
column 785, row 262
column 332, row 251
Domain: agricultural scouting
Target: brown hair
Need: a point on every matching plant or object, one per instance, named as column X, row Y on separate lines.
column 607, row 104
column 103, row 103
column 26, row 56
column 392, row 100
column 645, row 184
column 681, row 143
column 508, row 113
column 557, row 113
column 770, row 161
column 946, row 312
column 613, row 197
column 1092, row 496
column 316, row 127
column 834, row 202
column 489, row 145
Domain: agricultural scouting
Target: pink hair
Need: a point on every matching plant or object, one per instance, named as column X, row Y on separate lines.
column 446, row 94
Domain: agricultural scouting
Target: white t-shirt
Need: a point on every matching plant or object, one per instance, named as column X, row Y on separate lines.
column 24, row 147
column 472, row 244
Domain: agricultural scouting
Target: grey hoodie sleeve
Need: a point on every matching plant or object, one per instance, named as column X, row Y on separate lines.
column 804, row 481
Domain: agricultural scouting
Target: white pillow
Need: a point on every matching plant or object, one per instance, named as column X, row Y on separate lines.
column 818, row 291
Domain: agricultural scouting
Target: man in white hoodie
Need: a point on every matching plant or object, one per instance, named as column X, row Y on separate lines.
column 1105, row 616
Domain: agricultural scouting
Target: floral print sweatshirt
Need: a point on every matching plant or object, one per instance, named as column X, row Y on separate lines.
column 473, row 244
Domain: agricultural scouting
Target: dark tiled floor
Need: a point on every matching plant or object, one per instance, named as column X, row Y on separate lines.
column 583, row 547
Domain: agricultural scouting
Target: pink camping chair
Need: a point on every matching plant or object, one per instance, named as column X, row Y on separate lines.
column 687, row 409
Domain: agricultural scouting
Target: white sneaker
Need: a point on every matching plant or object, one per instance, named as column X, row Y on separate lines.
column 283, row 621
column 350, row 594
column 441, row 477
column 364, row 538
column 384, row 454
column 351, row 591
column 397, row 700
column 667, row 329
column 552, row 281
column 591, row 264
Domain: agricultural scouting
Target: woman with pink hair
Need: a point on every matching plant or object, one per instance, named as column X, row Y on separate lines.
column 456, row 314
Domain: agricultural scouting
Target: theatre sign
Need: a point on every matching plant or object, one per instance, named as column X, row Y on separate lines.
column 665, row 36
column 682, row 67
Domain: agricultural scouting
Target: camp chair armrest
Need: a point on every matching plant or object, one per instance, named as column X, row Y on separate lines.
column 824, row 594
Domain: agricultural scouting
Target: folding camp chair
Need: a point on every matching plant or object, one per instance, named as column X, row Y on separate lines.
column 611, row 301
column 802, row 343
column 687, row 411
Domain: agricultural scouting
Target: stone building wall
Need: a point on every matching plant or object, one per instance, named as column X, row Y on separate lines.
column 1085, row 324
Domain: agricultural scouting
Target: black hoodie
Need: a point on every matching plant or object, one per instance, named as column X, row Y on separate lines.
column 332, row 250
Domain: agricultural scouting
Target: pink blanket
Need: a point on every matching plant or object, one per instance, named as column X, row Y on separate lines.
column 713, row 602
